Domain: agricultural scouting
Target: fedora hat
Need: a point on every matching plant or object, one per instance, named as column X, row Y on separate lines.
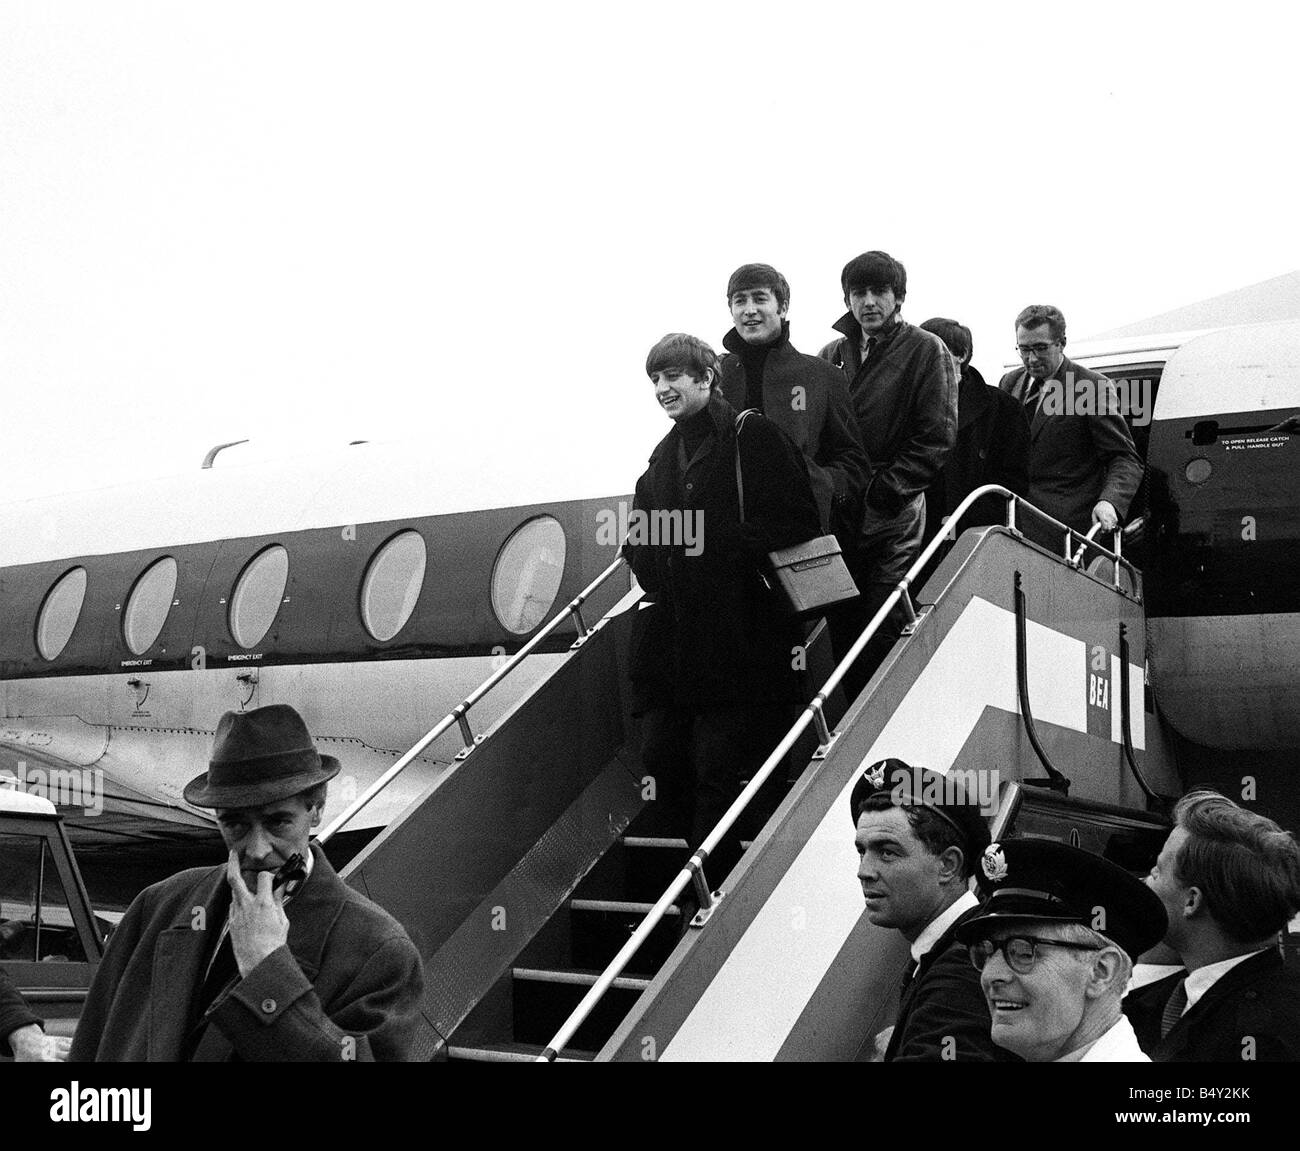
column 258, row 757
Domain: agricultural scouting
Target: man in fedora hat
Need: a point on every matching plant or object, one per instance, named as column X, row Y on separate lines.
column 1054, row 943
column 269, row 958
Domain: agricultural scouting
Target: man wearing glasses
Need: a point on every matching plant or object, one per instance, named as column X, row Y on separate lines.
column 1054, row 944
column 1083, row 468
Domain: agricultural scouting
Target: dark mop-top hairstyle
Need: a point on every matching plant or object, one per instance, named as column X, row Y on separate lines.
column 956, row 336
column 750, row 276
column 874, row 270
column 679, row 350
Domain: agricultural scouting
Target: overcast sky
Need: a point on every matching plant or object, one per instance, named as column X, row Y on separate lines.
column 460, row 226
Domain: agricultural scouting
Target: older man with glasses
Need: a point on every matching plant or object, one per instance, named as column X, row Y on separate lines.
column 1054, row 943
column 1083, row 467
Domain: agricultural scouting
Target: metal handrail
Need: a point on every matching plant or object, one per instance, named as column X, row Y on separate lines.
column 460, row 713
column 693, row 872
column 1126, row 722
column 1056, row 779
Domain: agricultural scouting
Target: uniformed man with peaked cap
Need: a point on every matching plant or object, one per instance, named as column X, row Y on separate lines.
column 1054, row 943
column 919, row 834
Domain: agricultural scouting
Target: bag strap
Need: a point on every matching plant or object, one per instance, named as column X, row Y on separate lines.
column 740, row 479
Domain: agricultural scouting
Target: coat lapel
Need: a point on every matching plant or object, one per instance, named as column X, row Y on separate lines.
column 179, row 967
column 1039, row 421
column 1181, row 1034
column 972, row 400
column 1017, row 392
column 1057, row 379
column 922, row 968
column 1017, row 387
column 717, row 454
column 732, row 383
column 312, row 913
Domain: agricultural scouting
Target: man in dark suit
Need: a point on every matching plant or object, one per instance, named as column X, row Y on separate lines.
column 1083, row 468
column 1229, row 880
column 919, row 835
column 271, row 958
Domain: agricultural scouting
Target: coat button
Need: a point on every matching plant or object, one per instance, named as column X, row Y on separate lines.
column 268, row 1006
column 690, row 487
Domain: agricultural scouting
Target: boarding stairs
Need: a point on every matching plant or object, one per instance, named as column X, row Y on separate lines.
column 543, row 888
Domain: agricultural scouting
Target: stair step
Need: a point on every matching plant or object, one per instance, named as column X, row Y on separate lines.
column 514, row 1053
column 667, row 842
column 577, row 978
column 619, row 906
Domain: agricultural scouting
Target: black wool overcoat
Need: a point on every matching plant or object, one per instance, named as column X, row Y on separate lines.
column 713, row 635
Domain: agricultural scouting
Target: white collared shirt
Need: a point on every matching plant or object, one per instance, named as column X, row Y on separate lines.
column 1117, row 1045
column 1203, row 978
column 933, row 930
column 866, row 343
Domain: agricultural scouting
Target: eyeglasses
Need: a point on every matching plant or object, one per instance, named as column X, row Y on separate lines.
column 1020, row 951
column 1035, row 349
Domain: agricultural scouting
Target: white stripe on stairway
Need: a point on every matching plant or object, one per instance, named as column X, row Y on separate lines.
column 763, row 986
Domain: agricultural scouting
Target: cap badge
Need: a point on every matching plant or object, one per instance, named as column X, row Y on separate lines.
column 994, row 863
column 875, row 774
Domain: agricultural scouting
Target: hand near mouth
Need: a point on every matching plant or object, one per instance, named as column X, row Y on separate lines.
column 258, row 924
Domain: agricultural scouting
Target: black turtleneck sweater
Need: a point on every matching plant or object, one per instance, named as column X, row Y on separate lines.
column 695, row 430
column 754, row 356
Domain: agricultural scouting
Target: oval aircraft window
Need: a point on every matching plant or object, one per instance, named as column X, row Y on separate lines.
column 148, row 604
column 526, row 576
column 257, row 595
column 392, row 585
column 59, row 613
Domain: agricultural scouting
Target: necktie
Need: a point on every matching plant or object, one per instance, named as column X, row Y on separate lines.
column 1032, row 392
column 1173, row 1011
column 906, row 981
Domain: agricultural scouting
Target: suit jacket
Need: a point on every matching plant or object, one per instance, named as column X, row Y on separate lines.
column 1077, row 459
column 944, row 1000
column 818, row 418
column 1257, row 1000
column 347, row 985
